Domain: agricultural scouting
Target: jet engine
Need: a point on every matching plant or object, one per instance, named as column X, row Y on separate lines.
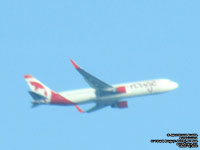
column 120, row 104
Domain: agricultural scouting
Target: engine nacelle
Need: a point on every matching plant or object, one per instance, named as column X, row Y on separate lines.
column 121, row 104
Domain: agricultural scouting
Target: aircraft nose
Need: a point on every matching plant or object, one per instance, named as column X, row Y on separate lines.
column 174, row 85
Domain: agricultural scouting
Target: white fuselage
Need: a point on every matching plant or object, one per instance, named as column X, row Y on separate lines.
column 103, row 94
column 132, row 89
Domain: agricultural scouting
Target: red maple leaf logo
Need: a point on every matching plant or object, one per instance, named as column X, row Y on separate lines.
column 39, row 86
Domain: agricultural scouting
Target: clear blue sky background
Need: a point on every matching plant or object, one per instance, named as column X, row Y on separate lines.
column 115, row 40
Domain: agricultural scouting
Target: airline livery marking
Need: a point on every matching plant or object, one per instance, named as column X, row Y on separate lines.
column 149, row 85
column 39, row 86
column 100, row 93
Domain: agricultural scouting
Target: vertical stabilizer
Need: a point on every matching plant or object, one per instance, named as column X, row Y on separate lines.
column 37, row 87
column 42, row 94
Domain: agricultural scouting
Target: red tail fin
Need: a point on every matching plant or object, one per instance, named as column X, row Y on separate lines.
column 50, row 96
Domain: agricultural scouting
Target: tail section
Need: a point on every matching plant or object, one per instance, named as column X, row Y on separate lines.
column 37, row 88
column 42, row 94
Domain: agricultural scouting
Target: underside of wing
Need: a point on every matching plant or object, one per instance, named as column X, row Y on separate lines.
column 101, row 87
column 115, row 104
column 90, row 79
column 97, row 107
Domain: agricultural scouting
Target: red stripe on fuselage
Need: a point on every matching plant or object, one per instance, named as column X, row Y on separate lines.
column 59, row 100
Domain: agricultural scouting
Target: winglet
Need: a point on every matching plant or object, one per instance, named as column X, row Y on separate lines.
column 74, row 64
column 78, row 108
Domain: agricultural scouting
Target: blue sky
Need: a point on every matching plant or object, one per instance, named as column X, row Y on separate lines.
column 117, row 41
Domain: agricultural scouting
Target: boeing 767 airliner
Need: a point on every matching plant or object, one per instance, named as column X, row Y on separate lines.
column 100, row 93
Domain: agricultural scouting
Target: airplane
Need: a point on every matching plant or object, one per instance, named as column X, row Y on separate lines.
column 100, row 93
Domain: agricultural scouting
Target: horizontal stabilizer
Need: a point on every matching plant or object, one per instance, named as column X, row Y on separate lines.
column 34, row 105
column 36, row 96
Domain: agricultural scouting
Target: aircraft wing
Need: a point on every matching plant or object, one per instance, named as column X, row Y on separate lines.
column 113, row 104
column 90, row 79
column 97, row 107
